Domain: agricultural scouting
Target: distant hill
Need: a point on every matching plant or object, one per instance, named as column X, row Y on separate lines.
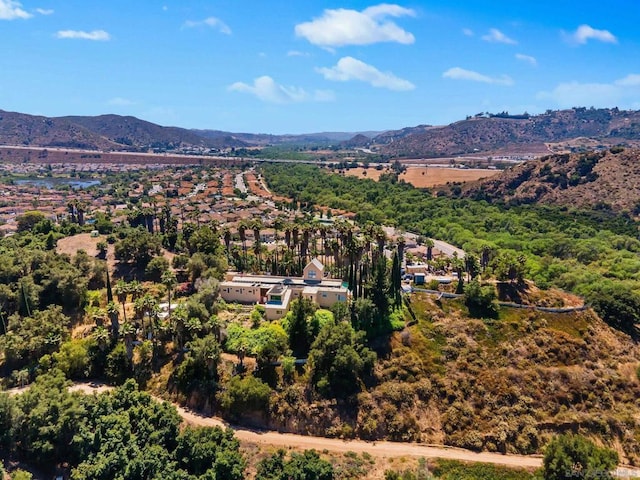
column 116, row 132
column 609, row 179
column 481, row 134
column 33, row 130
column 133, row 132
column 263, row 139
column 495, row 133
column 357, row 141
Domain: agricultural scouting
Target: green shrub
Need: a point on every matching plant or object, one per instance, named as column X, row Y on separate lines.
column 433, row 284
column 242, row 395
column 21, row 475
column 480, row 300
column 155, row 268
column 305, row 466
column 568, row 456
column 454, row 470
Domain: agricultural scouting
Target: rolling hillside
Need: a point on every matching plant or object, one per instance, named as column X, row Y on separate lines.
column 504, row 133
column 609, row 179
column 483, row 134
column 31, row 130
column 133, row 132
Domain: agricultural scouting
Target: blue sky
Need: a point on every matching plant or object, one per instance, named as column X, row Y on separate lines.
column 308, row 66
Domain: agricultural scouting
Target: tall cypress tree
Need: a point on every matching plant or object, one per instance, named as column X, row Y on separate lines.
column 379, row 288
column 396, row 280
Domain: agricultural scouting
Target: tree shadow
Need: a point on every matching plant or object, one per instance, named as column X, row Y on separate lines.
column 511, row 291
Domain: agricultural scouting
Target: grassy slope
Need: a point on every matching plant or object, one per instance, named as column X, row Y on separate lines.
column 501, row 385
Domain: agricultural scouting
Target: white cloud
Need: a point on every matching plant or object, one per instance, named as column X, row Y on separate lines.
column 468, row 32
column 631, row 80
column 349, row 68
column 527, row 59
column 496, row 36
column 584, row 33
column 212, row 22
column 340, row 27
column 267, row 90
column 457, row 73
column 622, row 92
column 11, row 10
column 297, row 53
column 95, row 35
column 120, row 102
column 45, row 11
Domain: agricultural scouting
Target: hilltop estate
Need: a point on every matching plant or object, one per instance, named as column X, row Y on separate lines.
column 277, row 292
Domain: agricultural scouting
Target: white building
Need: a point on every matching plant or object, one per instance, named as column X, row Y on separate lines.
column 276, row 293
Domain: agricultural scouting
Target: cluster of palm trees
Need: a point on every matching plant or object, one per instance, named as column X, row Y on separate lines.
column 150, row 322
column 338, row 245
column 77, row 210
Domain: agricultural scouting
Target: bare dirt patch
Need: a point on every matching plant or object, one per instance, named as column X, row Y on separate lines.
column 424, row 177
column 82, row 241
column 360, row 172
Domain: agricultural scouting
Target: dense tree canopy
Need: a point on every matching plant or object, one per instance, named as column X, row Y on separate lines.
column 123, row 433
column 571, row 456
column 305, row 466
column 339, row 361
column 578, row 250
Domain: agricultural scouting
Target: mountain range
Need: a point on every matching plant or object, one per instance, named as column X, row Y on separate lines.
column 483, row 133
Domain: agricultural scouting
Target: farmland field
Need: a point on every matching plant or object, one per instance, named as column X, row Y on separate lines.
column 424, row 177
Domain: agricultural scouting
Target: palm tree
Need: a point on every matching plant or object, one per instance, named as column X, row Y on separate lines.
column 95, row 314
column 169, row 280
column 215, row 326
column 227, row 239
column 429, row 244
column 81, row 208
column 304, row 245
column 149, row 308
column 178, row 325
column 121, row 290
column 193, row 327
column 136, row 289
column 323, row 235
column 256, row 226
column 101, row 335
column 128, row 332
column 72, row 210
column 295, row 231
column 139, row 309
column 486, row 252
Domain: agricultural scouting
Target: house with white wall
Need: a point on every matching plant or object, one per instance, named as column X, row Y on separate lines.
column 277, row 292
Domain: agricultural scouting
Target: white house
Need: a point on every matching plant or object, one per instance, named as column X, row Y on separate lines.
column 276, row 292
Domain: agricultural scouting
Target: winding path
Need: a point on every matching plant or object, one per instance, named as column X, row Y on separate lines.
column 376, row 449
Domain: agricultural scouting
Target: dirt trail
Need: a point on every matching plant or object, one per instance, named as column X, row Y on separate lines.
column 376, row 449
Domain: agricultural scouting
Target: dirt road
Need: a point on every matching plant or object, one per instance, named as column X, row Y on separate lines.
column 376, row 449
